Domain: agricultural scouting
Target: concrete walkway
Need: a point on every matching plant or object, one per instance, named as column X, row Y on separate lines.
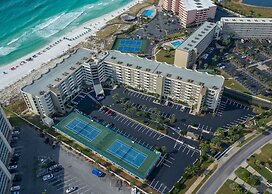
column 200, row 178
column 243, row 183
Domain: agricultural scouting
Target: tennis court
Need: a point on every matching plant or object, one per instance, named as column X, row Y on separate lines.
column 130, row 46
column 132, row 157
column 127, row 153
column 83, row 129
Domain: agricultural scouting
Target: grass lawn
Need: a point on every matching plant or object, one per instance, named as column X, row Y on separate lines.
column 264, row 157
column 231, row 83
column 175, row 35
column 13, row 119
column 226, row 188
column 243, row 173
column 237, row 6
column 166, row 56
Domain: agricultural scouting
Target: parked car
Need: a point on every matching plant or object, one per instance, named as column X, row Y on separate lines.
column 97, row 172
column 54, row 167
column 12, row 167
column 269, row 183
column 71, row 189
column 15, row 188
column 48, row 177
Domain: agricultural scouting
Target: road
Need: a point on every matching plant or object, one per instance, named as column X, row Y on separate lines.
column 222, row 173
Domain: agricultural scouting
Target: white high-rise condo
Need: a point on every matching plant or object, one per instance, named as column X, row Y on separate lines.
column 187, row 53
column 5, row 152
column 191, row 12
column 49, row 93
column 260, row 28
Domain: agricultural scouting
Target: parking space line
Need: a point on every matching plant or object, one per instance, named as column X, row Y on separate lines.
column 133, row 123
column 151, row 133
column 164, row 189
column 154, row 135
column 184, row 149
column 86, row 191
column 140, row 128
column 160, row 187
column 143, row 129
column 156, row 184
column 126, row 121
column 188, row 151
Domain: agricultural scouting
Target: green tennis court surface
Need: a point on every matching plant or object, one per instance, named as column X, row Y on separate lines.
column 132, row 157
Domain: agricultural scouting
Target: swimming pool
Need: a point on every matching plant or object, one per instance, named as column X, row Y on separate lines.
column 148, row 13
column 176, row 43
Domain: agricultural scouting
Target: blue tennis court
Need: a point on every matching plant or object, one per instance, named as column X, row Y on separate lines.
column 126, row 153
column 83, row 129
column 129, row 46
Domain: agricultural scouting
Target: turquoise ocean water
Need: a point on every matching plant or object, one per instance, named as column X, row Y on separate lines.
column 26, row 25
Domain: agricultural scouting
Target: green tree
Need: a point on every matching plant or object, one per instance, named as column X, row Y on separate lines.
column 173, row 118
column 219, row 133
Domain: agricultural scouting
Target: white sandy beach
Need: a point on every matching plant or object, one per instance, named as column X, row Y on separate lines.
column 11, row 73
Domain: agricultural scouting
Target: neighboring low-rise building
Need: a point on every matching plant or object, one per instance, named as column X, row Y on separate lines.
column 191, row 12
column 5, row 152
column 234, row 27
column 195, row 89
column 187, row 53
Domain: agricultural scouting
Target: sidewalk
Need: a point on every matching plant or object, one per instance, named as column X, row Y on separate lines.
column 242, row 183
column 200, row 178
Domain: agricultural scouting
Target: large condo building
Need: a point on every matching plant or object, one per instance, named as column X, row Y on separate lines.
column 191, row 12
column 5, row 152
column 196, row 90
column 246, row 27
column 187, row 53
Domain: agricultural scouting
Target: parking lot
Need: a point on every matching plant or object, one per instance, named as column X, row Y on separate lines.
column 171, row 168
column 228, row 112
column 156, row 29
column 178, row 148
column 75, row 171
column 249, row 63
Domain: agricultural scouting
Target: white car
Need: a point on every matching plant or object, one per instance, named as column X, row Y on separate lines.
column 15, row 188
column 48, row 177
column 71, row 189
column 12, row 167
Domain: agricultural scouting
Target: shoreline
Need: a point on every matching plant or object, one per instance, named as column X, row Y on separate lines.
column 17, row 70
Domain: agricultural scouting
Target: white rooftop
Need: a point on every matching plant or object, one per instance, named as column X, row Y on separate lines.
column 192, row 41
column 246, row 20
column 164, row 69
column 196, row 4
